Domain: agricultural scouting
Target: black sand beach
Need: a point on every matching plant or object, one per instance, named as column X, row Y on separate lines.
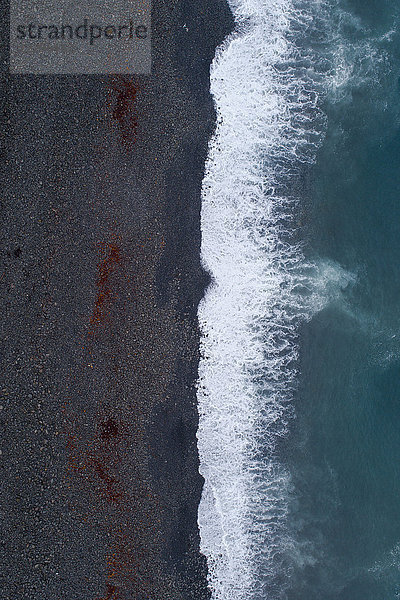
column 101, row 279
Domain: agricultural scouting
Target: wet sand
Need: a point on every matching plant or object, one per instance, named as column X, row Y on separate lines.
column 101, row 278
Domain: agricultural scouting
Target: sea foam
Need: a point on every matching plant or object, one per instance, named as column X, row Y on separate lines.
column 268, row 125
column 267, row 84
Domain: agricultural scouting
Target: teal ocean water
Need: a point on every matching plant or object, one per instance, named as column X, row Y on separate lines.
column 299, row 377
column 344, row 455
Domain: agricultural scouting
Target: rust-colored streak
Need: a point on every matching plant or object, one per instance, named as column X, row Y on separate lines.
column 111, row 489
column 95, row 463
column 105, row 294
column 109, row 429
column 124, row 109
column 107, row 446
column 129, row 560
column 98, row 462
column 111, row 593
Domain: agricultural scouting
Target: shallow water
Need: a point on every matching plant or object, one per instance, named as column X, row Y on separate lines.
column 345, row 441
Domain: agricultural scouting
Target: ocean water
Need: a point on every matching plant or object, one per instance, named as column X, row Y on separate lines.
column 299, row 377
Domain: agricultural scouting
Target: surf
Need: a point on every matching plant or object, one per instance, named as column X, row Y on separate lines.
column 265, row 88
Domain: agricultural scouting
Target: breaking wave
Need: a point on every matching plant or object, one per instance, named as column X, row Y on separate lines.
column 266, row 85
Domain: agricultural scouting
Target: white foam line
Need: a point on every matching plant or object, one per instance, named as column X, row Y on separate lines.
column 250, row 314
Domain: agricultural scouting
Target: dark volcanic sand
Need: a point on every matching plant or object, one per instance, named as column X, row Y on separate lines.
column 101, row 279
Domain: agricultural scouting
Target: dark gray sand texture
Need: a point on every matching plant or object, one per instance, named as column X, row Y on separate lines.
column 100, row 282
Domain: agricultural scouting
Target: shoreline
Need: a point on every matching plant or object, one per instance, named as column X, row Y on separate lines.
column 103, row 278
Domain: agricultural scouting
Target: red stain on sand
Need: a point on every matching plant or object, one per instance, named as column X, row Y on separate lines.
column 105, row 295
column 100, row 447
column 111, row 593
column 109, row 429
column 124, row 109
column 127, row 560
column 97, row 461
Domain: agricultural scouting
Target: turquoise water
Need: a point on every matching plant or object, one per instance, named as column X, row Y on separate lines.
column 299, row 374
column 344, row 447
